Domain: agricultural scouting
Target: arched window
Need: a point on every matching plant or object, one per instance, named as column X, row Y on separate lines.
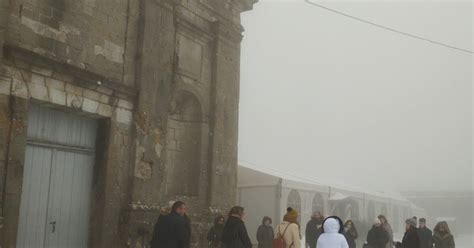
column 183, row 145
column 352, row 211
column 318, row 203
column 294, row 201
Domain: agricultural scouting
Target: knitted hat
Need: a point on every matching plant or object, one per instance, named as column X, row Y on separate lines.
column 411, row 222
column 291, row 216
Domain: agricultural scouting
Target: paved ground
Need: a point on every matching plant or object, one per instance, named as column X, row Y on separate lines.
column 464, row 241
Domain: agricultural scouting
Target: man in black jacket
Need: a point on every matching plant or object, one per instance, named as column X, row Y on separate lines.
column 314, row 229
column 377, row 236
column 411, row 238
column 172, row 230
column 425, row 234
column 235, row 233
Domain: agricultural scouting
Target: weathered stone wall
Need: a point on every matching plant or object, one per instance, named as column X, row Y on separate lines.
column 90, row 34
column 163, row 78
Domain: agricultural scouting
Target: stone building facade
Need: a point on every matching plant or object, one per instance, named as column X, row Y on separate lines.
column 160, row 80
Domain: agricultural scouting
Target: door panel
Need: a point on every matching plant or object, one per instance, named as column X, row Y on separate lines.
column 70, row 199
column 34, row 199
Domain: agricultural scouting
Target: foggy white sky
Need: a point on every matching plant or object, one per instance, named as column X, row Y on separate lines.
column 327, row 97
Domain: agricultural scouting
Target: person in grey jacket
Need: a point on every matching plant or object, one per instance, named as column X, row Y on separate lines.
column 265, row 233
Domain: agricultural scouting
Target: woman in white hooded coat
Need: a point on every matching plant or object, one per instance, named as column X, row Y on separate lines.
column 332, row 236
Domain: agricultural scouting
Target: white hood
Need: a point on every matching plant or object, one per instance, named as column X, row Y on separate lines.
column 331, row 238
column 331, row 226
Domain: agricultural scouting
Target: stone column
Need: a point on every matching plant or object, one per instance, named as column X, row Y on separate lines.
column 15, row 155
column 154, row 76
column 225, row 119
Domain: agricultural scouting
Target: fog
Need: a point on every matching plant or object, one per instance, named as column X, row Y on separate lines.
column 332, row 99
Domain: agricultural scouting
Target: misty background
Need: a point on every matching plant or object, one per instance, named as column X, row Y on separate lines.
column 328, row 98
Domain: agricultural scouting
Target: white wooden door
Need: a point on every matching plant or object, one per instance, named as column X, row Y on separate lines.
column 34, row 198
column 57, row 180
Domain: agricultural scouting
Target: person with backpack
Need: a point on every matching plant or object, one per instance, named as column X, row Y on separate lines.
column 333, row 234
column 235, row 233
column 287, row 234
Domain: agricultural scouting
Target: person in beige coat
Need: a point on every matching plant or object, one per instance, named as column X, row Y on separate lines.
column 289, row 230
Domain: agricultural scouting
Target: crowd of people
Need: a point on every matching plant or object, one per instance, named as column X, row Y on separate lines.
column 173, row 230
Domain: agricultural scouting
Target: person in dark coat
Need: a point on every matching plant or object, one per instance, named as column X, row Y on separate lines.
column 265, row 233
column 350, row 232
column 214, row 236
column 235, row 233
column 442, row 237
column 377, row 236
column 425, row 234
column 314, row 228
column 172, row 230
column 411, row 238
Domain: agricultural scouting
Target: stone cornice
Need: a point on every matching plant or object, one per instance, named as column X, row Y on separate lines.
column 230, row 33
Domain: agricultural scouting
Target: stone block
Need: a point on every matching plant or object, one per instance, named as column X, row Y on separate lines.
column 105, row 110
column 57, row 96
column 56, row 84
column 104, row 99
column 123, row 116
column 74, row 101
column 90, row 106
column 94, row 95
column 105, row 90
column 125, row 104
column 70, row 88
column 39, row 92
column 37, row 79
